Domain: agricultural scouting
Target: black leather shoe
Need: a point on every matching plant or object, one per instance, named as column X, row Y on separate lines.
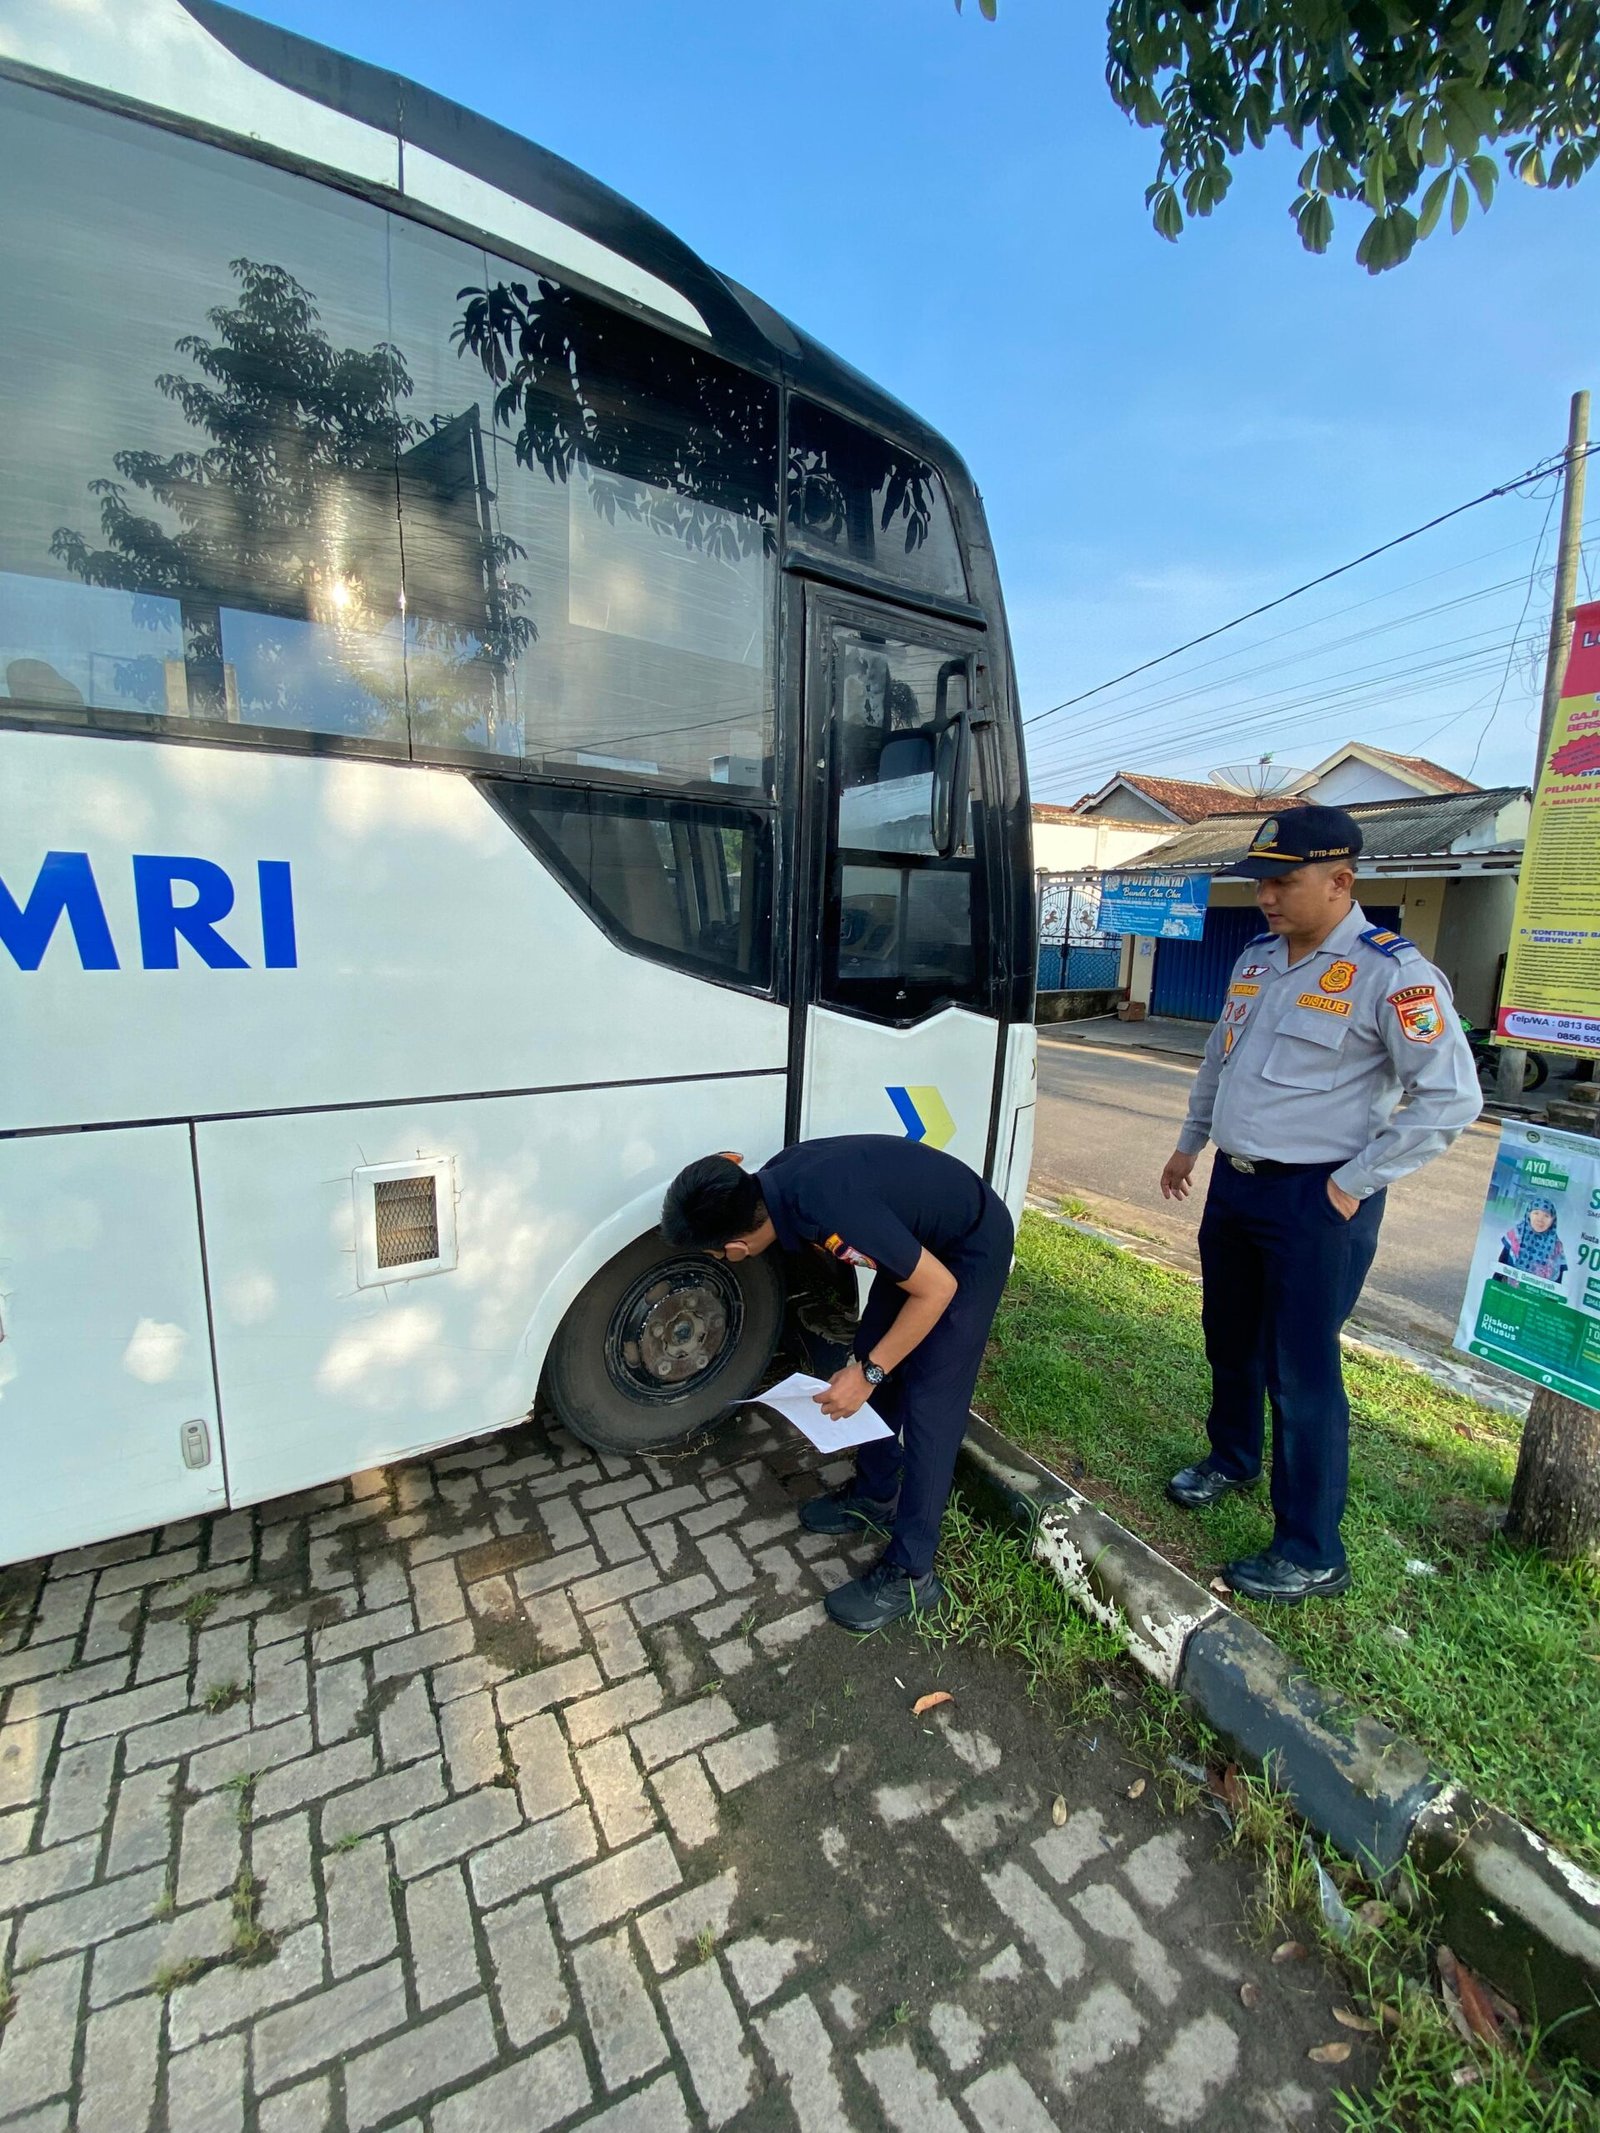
column 883, row 1595
column 1273, row 1577
column 846, row 1511
column 1198, row 1487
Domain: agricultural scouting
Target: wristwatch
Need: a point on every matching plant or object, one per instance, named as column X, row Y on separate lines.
column 873, row 1374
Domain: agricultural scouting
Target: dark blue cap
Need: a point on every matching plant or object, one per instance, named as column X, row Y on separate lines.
column 1299, row 837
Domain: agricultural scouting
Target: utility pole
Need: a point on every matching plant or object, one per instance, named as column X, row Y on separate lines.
column 1555, row 1498
column 1513, row 1059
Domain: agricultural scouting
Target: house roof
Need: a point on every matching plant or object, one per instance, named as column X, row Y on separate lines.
column 1431, row 826
column 1416, row 766
column 1186, row 799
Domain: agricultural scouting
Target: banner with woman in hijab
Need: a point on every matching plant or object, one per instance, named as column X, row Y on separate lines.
column 1533, row 1295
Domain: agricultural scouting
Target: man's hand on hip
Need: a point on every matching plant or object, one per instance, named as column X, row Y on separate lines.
column 1175, row 1178
column 1345, row 1202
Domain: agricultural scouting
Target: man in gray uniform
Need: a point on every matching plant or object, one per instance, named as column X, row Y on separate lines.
column 1328, row 1022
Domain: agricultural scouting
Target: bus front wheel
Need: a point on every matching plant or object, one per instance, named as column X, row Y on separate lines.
column 660, row 1343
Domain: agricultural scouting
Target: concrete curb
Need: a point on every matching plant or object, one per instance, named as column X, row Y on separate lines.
column 1513, row 1908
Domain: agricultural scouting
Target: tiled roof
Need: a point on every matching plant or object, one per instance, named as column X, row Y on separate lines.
column 1190, row 799
column 1419, row 766
column 1427, row 827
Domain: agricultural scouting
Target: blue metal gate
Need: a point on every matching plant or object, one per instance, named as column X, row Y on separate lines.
column 1191, row 979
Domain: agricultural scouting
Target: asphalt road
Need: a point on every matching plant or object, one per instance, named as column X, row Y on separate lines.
column 1107, row 1120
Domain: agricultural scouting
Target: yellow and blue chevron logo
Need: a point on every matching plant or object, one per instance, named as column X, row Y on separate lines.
column 924, row 1114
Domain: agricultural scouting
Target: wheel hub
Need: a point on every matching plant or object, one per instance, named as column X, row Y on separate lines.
column 678, row 1323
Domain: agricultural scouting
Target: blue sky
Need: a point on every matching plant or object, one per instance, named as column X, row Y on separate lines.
column 1164, row 434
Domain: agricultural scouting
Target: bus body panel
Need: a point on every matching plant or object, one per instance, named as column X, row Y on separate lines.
column 321, row 1376
column 1019, row 1088
column 420, row 948
column 104, row 1350
column 932, row 1082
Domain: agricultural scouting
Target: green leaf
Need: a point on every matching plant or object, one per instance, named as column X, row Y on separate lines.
column 1166, row 214
column 1313, row 217
column 1460, row 206
column 1433, row 205
column 1485, row 176
column 988, row 9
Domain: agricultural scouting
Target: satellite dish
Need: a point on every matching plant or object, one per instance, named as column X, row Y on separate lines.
column 1261, row 780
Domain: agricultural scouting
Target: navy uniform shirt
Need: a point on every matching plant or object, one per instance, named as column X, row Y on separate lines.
column 1310, row 1060
column 873, row 1200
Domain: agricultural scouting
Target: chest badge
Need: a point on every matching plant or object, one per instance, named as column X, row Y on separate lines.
column 1338, row 977
column 1419, row 1013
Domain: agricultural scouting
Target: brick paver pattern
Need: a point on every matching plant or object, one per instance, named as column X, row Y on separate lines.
column 397, row 1805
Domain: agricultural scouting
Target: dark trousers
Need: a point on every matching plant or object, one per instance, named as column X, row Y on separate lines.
column 926, row 1400
column 1282, row 1270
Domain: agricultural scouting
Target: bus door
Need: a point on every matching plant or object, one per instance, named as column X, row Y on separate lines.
column 898, row 977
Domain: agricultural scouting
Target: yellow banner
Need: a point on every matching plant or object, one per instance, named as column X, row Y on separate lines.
column 1551, row 997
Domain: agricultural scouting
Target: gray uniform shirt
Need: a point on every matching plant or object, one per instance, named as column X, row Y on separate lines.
column 1309, row 1061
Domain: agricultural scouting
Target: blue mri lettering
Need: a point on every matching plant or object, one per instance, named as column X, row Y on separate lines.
column 180, row 906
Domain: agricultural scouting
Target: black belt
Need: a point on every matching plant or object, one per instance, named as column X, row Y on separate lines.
column 1263, row 1166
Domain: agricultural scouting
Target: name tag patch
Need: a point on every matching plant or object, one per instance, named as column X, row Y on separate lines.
column 1419, row 1013
column 1338, row 977
column 1323, row 1006
column 1243, row 992
column 847, row 1252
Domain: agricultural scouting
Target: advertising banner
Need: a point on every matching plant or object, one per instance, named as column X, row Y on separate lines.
column 1533, row 1296
column 1168, row 907
column 1551, row 995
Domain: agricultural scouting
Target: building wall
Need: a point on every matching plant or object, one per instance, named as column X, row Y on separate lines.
column 1352, row 781
column 1126, row 805
column 1474, row 931
column 1091, row 841
column 1420, row 901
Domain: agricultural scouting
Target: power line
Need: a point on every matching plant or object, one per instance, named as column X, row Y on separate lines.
column 1223, row 685
column 1541, row 472
column 1511, row 654
column 1362, row 678
column 1317, row 706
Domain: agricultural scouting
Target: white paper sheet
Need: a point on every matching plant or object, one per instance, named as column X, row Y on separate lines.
column 795, row 1400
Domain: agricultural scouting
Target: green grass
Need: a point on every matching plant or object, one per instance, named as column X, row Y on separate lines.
column 1001, row 1598
column 1492, row 1665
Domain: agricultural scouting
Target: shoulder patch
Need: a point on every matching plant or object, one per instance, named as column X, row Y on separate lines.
column 835, row 1245
column 1387, row 943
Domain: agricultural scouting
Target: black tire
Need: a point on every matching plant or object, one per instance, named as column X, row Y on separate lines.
column 1536, row 1073
column 660, row 1343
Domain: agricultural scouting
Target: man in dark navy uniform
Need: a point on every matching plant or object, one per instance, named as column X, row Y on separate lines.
column 1329, row 1022
column 938, row 1241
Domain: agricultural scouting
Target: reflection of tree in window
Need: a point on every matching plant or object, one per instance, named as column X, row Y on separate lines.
column 666, row 436
column 854, row 494
column 289, row 510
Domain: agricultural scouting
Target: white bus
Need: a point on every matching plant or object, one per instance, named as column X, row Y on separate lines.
column 490, row 711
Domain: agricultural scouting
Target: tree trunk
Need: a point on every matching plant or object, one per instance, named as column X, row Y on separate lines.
column 1555, row 1500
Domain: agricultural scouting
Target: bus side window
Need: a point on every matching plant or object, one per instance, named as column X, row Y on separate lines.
column 687, row 882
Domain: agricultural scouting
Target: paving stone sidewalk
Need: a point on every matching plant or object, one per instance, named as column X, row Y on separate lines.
column 523, row 1788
